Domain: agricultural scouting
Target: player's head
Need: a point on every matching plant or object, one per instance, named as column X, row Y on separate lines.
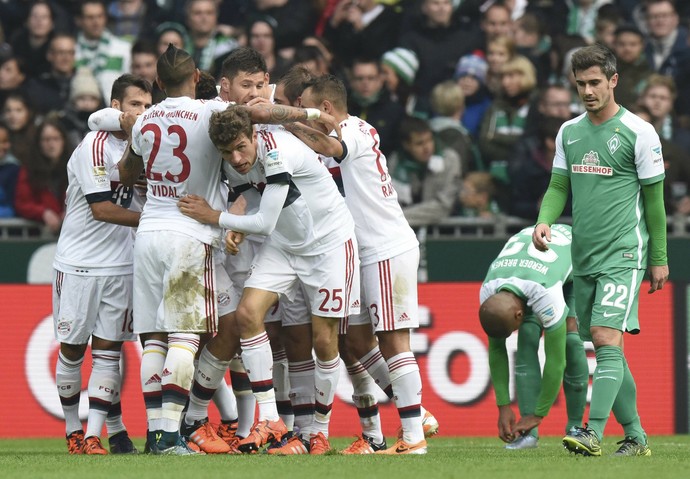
column 206, row 88
column 131, row 93
column 501, row 314
column 176, row 69
column 290, row 87
column 417, row 139
column 244, row 76
column 144, row 58
column 594, row 68
column 232, row 133
column 327, row 93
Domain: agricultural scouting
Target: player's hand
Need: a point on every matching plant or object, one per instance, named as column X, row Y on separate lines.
column 506, row 422
column 52, row 220
column 658, row 275
column 127, row 121
column 526, row 424
column 259, row 100
column 541, row 236
column 196, row 207
column 330, row 123
column 233, row 239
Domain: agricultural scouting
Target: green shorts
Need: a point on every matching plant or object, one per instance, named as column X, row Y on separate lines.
column 608, row 299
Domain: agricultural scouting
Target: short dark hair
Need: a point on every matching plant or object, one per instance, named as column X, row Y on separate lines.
column 125, row 81
column 144, row 46
column 410, row 125
column 331, row 88
column 89, row 2
column 243, row 59
column 596, row 55
column 175, row 66
column 206, row 88
column 224, row 127
column 295, row 81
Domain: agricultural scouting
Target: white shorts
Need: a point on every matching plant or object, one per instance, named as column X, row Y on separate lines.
column 174, row 284
column 291, row 313
column 228, row 298
column 389, row 294
column 92, row 305
column 331, row 279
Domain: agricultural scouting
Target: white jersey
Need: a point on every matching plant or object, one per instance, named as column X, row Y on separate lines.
column 179, row 159
column 381, row 228
column 86, row 246
column 314, row 218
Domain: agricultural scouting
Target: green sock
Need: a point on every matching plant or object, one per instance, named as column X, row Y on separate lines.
column 575, row 379
column 608, row 377
column 527, row 370
column 625, row 407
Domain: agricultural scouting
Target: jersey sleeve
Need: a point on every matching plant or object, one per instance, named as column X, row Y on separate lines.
column 274, row 149
column 89, row 167
column 649, row 159
column 137, row 136
column 560, row 165
column 350, row 142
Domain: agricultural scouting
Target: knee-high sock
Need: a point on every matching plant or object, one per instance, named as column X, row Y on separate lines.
column 608, row 377
column 68, row 381
column 225, row 401
column 152, row 361
column 625, row 407
column 176, row 380
column 113, row 421
column 281, row 382
column 377, row 368
column 104, row 387
column 302, row 395
column 246, row 402
column 325, row 382
column 527, row 370
column 575, row 379
column 207, row 378
column 363, row 397
column 407, row 390
column 258, row 360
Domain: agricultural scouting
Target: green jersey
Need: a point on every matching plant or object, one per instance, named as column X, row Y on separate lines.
column 606, row 165
column 535, row 276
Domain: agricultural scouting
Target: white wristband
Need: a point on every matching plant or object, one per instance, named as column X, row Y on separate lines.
column 313, row 113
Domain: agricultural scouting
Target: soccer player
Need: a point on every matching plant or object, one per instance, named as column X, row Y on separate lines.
column 92, row 291
column 311, row 241
column 389, row 253
column 530, row 290
column 612, row 161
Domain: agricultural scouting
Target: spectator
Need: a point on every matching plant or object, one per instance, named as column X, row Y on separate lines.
column 476, row 198
column 504, row 122
column 582, row 18
column 552, row 102
column 171, row 32
column 530, row 168
column 427, row 181
column 9, row 168
column 498, row 51
column 448, row 105
column 533, row 41
column 85, row 98
column 19, row 118
column 144, row 59
column 497, row 22
column 12, row 76
column 296, row 20
column 261, row 32
column 470, row 75
column 371, row 101
column 42, row 182
column 30, row 43
column 399, row 68
column 104, row 54
column 605, row 27
column 359, row 28
column 133, row 19
column 51, row 90
column 633, row 69
column 208, row 46
column 668, row 41
column 438, row 41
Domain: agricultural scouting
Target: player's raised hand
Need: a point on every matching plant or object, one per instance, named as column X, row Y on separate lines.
column 330, row 123
column 127, row 120
column 506, row 422
column 541, row 236
column 658, row 275
column 196, row 207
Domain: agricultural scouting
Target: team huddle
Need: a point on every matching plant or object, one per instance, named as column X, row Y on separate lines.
column 248, row 256
column 281, row 309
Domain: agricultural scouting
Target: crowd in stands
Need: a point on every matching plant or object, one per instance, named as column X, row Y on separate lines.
column 467, row 95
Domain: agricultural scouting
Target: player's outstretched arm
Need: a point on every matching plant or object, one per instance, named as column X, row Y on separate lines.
column 655, row 217
column 130, row 167
column 282, row 114
column 112, row 119
column 498, row 367
column 108, row 212
column 316, row 140
column 198, row 208
column 551, row 208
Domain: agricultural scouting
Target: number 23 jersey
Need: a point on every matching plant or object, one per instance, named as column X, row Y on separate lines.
column 535, row 276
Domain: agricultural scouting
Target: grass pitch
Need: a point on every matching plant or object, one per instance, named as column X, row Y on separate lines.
column 466, row 458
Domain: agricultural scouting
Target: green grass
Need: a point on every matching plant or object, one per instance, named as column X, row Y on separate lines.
column 466, row 458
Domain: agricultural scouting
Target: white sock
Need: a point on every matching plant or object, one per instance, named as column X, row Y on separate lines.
column 377, row 368
column 176, row 379
column 113, row 421
column 281, row 382
column 152, row 361
column 407, row 389
column 258, row 361
column 326, row 378
column 365, row 402
column 302, row 395
column 68, row 381
column 246, row 402
column 104, row 387
column 207, row 377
